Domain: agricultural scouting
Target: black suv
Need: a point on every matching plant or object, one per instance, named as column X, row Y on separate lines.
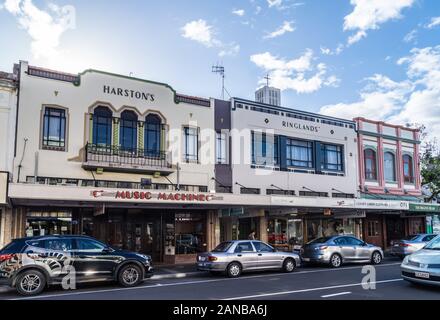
column 32, row 264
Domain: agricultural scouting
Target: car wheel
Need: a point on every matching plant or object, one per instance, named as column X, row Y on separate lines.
column 234, row 270
column 130, row 276
column 376, row 258
column 30, row 283
column 289, row 265
column 335, row 261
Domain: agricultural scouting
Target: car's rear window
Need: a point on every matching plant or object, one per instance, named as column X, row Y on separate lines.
column 320, row 240
column 411, row 237
column 223, row 247
column 13, row 247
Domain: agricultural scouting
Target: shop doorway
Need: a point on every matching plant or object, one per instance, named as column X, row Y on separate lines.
column 395, row 229
column 246, row 226
column 373, row 231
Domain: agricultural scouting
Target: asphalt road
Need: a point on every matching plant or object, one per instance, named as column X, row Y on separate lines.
column 316, row 283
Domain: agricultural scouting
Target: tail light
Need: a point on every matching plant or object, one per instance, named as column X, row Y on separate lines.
column 212, row 258
column 405, row 245
column 5, row 257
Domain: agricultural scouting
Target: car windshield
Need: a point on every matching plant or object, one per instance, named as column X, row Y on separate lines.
column 434, row 245
column 320, row 240
column 411, row 237
column 223, row 247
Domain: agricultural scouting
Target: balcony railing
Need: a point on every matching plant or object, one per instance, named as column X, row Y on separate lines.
column 117, row 158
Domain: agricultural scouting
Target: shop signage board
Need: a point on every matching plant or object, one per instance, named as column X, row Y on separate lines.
column 381, row 204
column 4, row 177
column 312, row 202
column 424, row 207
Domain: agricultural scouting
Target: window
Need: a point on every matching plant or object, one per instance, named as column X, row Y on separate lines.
column 429, row 238
column 331, row 156
column 313, row 194
column 128, row 131
column 86, row 245
column 59, row 245
column 221, row 144
column 264, row 149
column 280, row 192
column 262, row 247
column 343, row 195
column 102, row 126
column 152, row 144
column 354, row 242
column 54, row 128
column 370, row 164
column 191, row 144
column 408, row 169
column 389, row 167
column 244, row 247
column 373, row 228
column 223, row 247
column 342, row 241
column 190, row 233
column 299, row 153
column 249, row 191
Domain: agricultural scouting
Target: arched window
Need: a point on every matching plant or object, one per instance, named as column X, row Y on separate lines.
column 128, row 131
column 102, row 127
column 389, row 166
column 152, row 139
column 370, row 164
column 408, row 174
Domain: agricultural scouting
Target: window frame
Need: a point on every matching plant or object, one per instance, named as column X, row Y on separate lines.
column 108, row 129
column 148, row 128
column 187, row 157
column 134, row 138
column 389, row 152
column 221, row 148
column 408, row 179
column 340, row 154
column 373, row 161
column 274, row 158
column 310, row 153
column 64, row 120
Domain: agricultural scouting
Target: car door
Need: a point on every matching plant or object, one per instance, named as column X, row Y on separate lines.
column 362, row 251
column 267, row 256
column 346, row 249
column 94, row 260
column 245, row 253
column 56, row 257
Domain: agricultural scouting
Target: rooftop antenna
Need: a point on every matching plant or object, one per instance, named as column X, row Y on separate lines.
column 219, row 69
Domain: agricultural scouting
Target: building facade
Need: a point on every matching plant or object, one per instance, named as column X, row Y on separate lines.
column 389, row 169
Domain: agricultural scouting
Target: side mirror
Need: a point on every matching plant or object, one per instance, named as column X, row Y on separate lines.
column 365, row 244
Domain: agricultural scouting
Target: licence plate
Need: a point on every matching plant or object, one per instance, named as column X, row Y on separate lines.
column 201, row 264
column 423, row 275
column 306, row 259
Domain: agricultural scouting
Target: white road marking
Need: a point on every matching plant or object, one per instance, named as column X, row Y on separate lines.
column 308, row 290
column 336, row 294
column 158, row 285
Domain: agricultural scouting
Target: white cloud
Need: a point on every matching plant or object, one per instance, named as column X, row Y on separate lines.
column 274, row 3
column 299, row 74
column 410, row 36
column 238, row 12
column 370, row 14
column 201, row 32
column 328, row 52
column 415, row 99
column 232, row 50
column 435, row 21
column 283, row 4
column 287, row 26
column 45, row 27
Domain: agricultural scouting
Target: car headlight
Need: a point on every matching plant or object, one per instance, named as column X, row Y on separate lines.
column 144, row 256
column 406, row 260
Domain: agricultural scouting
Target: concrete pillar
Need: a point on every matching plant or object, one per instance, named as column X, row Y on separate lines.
column 116, row 132
column 212, row 230
column 141, row 138
column 263, row 228
column 91, row 129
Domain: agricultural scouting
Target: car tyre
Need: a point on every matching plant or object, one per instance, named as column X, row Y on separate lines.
column 289, row 265
column 376, row 258
column 335, row 261
column 130, row 275
column 234, row 270
column 30, row 283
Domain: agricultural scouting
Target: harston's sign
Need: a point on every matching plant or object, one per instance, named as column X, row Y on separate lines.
column 140, row 95
column 160, row 196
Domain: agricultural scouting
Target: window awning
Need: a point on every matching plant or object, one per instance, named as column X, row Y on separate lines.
column 392, row 197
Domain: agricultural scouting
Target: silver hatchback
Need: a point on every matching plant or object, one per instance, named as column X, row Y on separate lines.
column 337, row 250
column 234, row 257
column 410, row 244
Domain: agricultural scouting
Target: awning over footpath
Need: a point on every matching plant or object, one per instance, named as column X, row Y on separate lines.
column 392, row 197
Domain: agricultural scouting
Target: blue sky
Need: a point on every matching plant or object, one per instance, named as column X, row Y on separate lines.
column 374, row 58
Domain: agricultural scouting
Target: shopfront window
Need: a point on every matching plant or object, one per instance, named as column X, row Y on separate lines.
column 41, row 223
column 285, row 232
column 318, row 228
column 190, row 233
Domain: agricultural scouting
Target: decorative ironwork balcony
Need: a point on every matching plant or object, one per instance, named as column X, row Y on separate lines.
column 120, row 159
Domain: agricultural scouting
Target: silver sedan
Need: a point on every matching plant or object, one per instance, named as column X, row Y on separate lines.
column 234, row 257
column 410, row 244
column 337, row 250
column 423, row 266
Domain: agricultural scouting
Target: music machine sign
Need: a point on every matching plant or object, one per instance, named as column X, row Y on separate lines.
column 160, row 196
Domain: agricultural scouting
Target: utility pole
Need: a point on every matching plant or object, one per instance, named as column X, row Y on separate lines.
column 219, row 69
